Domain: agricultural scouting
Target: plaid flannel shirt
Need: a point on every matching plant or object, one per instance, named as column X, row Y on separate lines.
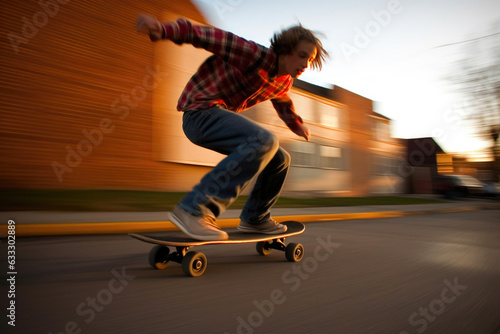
column 237, row 76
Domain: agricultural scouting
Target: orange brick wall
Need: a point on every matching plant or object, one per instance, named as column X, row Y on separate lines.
column 76, row 77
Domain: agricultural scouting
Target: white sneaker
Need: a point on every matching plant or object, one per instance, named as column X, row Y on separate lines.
column 199, row 228
column 268, row 227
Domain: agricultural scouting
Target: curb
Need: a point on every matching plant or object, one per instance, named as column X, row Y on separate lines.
column 31, row 230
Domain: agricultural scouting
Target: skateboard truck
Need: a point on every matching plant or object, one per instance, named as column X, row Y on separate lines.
column 293, row 252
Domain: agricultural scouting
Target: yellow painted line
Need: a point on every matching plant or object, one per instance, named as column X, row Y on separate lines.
column 341, row 216
column 90, row 228
column 25, row 230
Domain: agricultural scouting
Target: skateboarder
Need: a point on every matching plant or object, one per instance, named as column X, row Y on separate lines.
column 238, row 75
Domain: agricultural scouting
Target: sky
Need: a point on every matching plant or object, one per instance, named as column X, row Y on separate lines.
column 395, row 52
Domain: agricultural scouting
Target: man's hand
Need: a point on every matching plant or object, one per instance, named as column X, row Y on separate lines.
column 303, row 131
column 149, row 25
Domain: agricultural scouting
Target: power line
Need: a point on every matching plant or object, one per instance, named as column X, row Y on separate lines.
column 466, row 41
column 417, row 53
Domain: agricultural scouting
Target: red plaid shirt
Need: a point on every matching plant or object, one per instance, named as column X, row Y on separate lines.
column 239, row 75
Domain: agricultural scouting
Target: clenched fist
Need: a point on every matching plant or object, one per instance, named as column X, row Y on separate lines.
column 149, row 25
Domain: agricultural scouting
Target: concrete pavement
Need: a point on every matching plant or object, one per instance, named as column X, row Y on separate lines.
column 38, row 223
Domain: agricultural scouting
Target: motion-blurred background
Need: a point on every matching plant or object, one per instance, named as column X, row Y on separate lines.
column 410, row 95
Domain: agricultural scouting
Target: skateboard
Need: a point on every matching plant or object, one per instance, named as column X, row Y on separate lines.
column 194, row 263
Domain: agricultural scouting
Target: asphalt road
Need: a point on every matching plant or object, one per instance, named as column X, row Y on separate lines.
column 417, row 274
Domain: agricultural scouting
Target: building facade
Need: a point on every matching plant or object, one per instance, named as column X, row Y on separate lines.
column 88, row 103
column 351, row 152
column 79, row 95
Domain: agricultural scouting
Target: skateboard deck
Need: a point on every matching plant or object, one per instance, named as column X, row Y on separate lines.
column 195, row 263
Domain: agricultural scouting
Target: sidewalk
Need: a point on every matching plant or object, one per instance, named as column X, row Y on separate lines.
column 42, row 223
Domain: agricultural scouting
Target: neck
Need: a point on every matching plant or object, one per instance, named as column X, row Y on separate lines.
column 281, row 66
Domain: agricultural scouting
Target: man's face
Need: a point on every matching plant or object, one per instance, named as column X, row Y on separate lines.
column 300, row 58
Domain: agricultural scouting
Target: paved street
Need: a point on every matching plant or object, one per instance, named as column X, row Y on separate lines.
column 435, row 273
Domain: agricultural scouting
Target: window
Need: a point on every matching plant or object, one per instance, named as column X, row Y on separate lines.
column 303, row 154
column 331, row 157
column 385, row 166
column 328, row 115
column 304, row 106
column 317, row 156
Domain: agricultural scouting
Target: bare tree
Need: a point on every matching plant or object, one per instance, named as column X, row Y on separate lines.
column 476, row 77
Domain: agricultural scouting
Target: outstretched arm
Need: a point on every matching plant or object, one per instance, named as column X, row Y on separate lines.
column 233, row 49
column 286, row 111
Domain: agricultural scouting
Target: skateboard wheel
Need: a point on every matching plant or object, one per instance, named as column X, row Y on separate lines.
column 158, row 257
column 294, row 252
column 263, row 248
column 194, row 264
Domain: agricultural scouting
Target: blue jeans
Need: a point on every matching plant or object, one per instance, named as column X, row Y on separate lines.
column 251, row 150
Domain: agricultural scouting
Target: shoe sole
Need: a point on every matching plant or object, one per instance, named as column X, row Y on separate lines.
column 251, row 230
column 177, row 222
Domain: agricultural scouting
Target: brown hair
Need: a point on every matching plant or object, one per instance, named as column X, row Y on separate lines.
column 284, row 42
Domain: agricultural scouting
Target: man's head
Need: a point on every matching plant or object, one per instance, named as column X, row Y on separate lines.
column 298, row 48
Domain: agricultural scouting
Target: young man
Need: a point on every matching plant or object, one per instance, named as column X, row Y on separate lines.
column 238, row 75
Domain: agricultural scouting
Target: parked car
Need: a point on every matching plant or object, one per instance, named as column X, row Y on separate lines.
column 453, row 186
column 492, row 189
